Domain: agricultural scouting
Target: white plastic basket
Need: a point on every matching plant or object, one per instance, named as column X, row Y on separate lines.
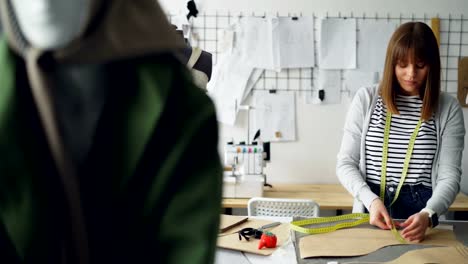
column 260, row 206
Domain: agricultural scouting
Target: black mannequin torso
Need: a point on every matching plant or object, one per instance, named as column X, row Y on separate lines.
column 204, row 63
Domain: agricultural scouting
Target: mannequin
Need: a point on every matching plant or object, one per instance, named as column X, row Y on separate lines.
column 55, row 24
column 89, row 88
column 48, row 24
column 201, row 65
column 200, row 62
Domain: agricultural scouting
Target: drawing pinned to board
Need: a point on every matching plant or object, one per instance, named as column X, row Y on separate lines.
column 227, row 87
column 258, row 44
column 256, row 74
column 296, row 42
column 328, row 88
column 337, row 43
column 232, row 78
column 373, row 37
column 274, row 114
column 276, row 43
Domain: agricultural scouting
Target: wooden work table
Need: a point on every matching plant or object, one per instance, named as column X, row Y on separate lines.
column 328, row 196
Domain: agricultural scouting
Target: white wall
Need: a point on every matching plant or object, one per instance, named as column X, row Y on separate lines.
column 312, row 158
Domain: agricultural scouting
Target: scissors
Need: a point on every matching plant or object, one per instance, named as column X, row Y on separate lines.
column 250, row 232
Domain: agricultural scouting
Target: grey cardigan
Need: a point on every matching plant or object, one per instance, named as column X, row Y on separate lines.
column 446, row 168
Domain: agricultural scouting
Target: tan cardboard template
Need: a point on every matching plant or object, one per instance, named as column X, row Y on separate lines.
column 440, row 255
column 362, row 241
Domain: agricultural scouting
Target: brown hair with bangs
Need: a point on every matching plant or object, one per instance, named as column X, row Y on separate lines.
column 414, row 39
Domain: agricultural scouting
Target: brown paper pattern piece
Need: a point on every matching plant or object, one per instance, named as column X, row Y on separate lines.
column 362, row 241
column 442, row 255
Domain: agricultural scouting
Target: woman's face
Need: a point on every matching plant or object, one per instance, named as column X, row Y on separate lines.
column 411, row 75
column 50, row 24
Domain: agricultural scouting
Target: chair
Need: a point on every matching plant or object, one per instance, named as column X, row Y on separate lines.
column 260, row 206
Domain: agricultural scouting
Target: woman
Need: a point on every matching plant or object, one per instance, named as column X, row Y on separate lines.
column 401, row 151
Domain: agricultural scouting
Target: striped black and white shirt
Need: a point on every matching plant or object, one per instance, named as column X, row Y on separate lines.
column 402, row 126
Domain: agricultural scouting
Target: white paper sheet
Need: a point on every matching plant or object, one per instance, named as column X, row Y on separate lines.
column 227, row 86
column 373, row 37
column 259, row 49
column 180, row 21
column 226, row 40
column 353, row 80
column 274, row 115
column 338, row 43
column 330, row 82
column 296, row 42
column 256, row 73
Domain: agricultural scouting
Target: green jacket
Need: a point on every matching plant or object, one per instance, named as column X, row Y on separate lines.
column 151, row 187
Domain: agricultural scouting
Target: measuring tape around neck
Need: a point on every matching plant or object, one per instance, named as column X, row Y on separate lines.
column 383, row 178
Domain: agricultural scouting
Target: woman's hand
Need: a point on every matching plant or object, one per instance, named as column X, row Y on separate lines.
column 415, row 227
column 379, row 215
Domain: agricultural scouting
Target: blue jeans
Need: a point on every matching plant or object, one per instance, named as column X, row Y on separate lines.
column 411, row 200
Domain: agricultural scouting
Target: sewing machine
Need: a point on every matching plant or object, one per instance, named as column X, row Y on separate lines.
column 244, row 177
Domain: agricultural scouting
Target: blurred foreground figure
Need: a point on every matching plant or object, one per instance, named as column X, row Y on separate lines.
column 108, row 151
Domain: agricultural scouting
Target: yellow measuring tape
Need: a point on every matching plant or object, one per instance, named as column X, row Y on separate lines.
column 383, row 177
column 397, row 234
column 359, row 218
column 351, row 220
